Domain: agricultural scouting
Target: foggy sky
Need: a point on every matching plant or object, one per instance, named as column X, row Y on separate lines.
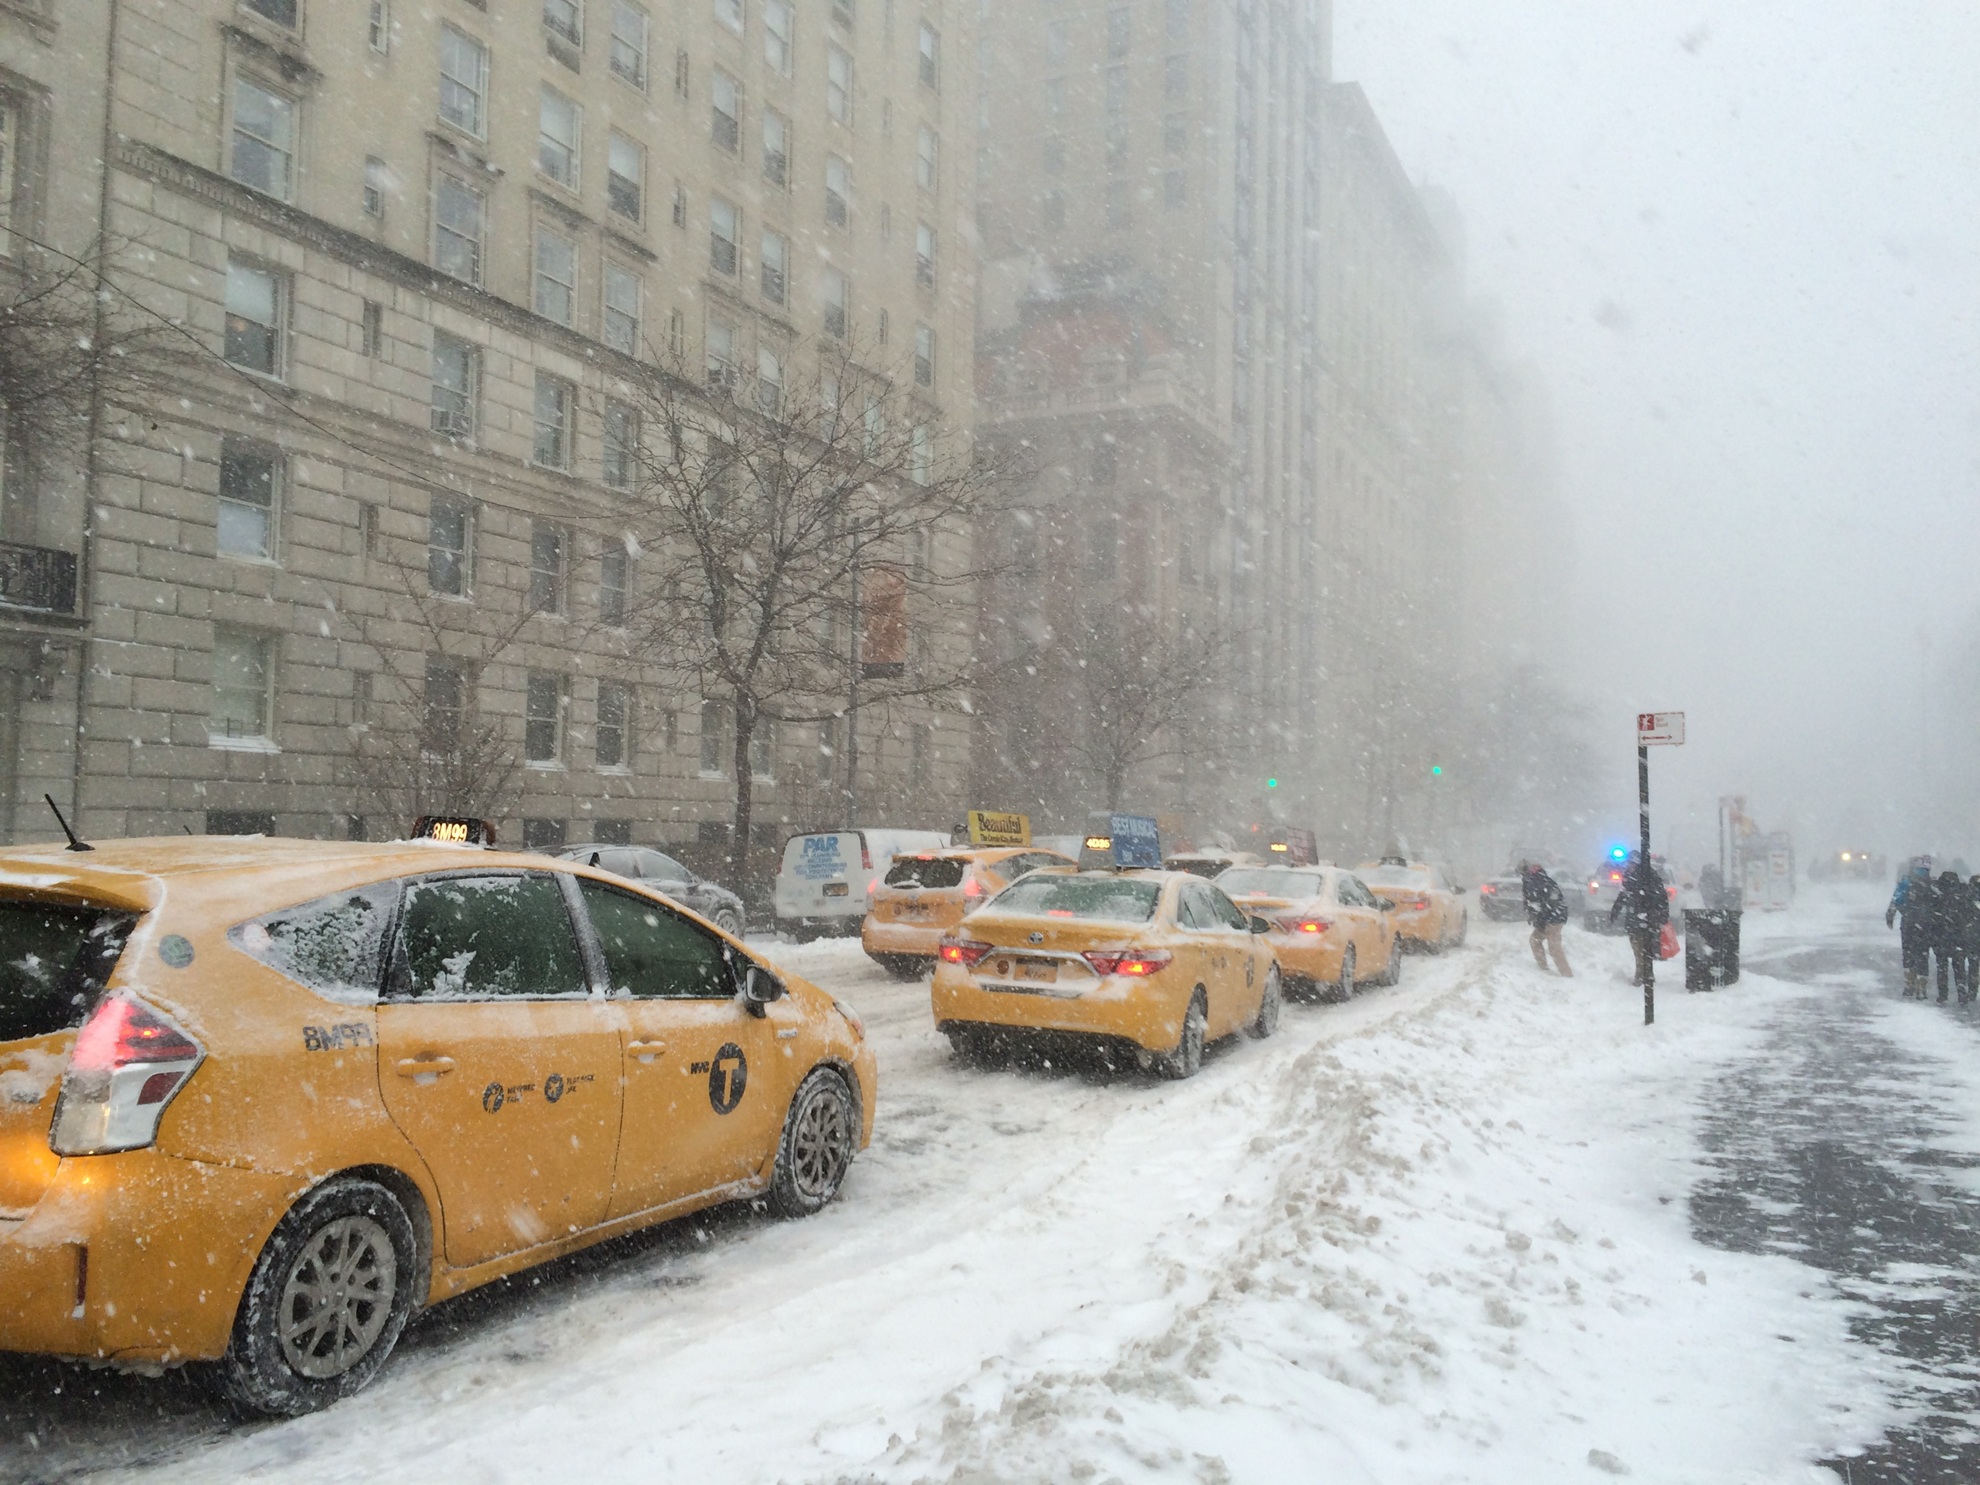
column 1741, row 246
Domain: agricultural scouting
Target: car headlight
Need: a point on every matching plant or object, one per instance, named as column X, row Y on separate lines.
column 852, row 1018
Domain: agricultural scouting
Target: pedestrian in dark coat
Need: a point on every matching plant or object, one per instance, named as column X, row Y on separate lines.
column 1948, row 930
column 1912, row 904
column 1643, row 908
column 1966, row 944
column 1546, row 912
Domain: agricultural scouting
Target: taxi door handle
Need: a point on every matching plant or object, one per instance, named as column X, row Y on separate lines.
column 424, row 1067
column 645, row 1051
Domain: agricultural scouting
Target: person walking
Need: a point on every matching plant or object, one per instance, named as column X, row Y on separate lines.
column 1643, row 908
column 1963, row 939
column 1948, row 933
column 1546, row 912
column 1911, row 907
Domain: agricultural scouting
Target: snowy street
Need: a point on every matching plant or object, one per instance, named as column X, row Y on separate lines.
column 1445, row 1232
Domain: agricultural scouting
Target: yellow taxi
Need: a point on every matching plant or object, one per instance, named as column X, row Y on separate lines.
column 1430, row 913
column 1328, row 929
column 1160, row 962
column 262, row 1099
column 923, row 896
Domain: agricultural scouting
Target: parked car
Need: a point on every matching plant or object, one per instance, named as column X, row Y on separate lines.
column 665, row 875
column 1331, row 934
column 1430, row 913
column 826, row 879
column 264, row 1099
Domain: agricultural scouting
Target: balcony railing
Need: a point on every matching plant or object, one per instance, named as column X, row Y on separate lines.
column 38, row 578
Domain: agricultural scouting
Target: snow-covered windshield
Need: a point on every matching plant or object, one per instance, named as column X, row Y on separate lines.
column 1108, row 899
column 1273, row 883
column 1397, row 876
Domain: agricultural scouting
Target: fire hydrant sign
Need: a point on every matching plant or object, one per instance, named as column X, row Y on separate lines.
column 1660, row 728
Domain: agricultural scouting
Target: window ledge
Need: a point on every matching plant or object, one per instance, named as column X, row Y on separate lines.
column 716, row 774
column 544, row 765
column 615, row 770
column 248, row 559
column 242, row 744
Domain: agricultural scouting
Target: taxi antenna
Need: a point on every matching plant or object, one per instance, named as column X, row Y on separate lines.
column 76, row 843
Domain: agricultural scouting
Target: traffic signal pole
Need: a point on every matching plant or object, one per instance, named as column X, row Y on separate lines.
column 1643, row 820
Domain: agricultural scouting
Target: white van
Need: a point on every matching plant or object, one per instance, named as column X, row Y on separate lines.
column 823, row 882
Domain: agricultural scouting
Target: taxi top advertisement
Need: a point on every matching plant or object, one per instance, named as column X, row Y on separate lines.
column 996, row 828
column 1136, row 841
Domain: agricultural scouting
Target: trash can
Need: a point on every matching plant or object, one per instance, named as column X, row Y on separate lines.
column 1711, row 947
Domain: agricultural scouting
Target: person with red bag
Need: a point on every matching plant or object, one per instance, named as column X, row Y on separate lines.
column 1643, row 908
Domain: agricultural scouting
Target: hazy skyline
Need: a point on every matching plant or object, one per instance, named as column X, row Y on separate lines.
column 1742, row 249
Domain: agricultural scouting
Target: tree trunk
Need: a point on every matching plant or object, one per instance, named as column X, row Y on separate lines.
column 745, row 722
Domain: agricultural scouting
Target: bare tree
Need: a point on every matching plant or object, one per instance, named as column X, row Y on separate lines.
column 1144, row 685
column 803, row 540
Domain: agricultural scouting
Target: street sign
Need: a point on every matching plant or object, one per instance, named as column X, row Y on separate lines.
column 996, row 828
column 1655, row 729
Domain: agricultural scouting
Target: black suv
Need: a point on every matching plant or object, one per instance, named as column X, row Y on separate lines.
column 665, row 875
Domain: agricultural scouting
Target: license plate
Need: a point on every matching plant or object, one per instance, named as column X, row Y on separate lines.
column 837, row 889
column 1035, row 972
column 915, row 910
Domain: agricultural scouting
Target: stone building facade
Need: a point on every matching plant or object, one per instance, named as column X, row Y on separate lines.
column 424, row 257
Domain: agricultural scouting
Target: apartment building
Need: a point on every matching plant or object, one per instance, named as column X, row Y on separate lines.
column 425, row 258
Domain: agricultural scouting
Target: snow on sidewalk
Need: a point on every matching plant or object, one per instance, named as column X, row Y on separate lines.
column 1437, row 1234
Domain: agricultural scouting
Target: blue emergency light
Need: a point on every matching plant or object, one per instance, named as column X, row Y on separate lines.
column 1619, row 853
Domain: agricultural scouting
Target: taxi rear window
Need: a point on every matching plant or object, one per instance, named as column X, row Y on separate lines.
column 1106, row 899
column 933, row 873
column 1397, row 876
column 54, row 962
column 1271, row 883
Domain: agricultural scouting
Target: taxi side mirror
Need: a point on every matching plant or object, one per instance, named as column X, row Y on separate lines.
column 1386, row 904
column 1260, row 925
column 760, row 988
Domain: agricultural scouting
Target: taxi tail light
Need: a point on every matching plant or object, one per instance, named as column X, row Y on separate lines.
column 1138, row 963
column 1486, row 889
column 962, row 951
column 128, row 1064
column 1303, row 923
column 973, row 886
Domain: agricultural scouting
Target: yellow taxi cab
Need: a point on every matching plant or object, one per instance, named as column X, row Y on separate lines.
column 1327, row 928
column 1160, row 962
column 1430, row 912
column 923, row 896
column 262, row 1099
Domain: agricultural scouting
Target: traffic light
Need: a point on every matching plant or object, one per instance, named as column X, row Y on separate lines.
column 1436, row 770
column 1271, row 783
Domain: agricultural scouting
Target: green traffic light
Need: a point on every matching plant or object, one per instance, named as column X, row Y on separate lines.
column 1271, row 783
column 1437, row 770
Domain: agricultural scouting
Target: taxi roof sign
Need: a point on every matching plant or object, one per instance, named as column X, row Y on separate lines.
column 456, row 830
column 1136, row 840
column 999, row 828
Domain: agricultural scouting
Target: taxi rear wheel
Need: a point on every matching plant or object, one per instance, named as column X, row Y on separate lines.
column 1269, row 1007
column 327, row 1300
column 1187, row 1058
column 820, row 1134
column 1392, row 973
column 1344, row 987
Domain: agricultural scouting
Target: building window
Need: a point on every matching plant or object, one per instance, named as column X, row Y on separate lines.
column 463, row 81
column 676, row 334
column 443, row 708
column 769, row 381
column 558, row 126
column 1119, row 211
column 777, row 20
column 454, row 377
column 1055, row 97
column 931, row 56
column 254, row 319
column 724, row 230
column 622, row 309
column 376, row 178
column 551, row 446
column 838, row 190
column 730, row 14
column 839, row 83
column 924, row 255
column 566, row 19
column 681, row 72
column 1175, row 189
column 378, row 28
column 1120, row 32
column 556, row 276
column 1175, row 81
column 774, row 253
column 281, row 12
column 924, row 356
column 264, row 155
column 457, row 229
column 247, row 501
column 10, row 155
column 722, row 354
column 243, row 683
column 545, row 835
column 776, row 147
column 842, row 13
column 1055, row 155
column 1117, row 147
column 714, row 738
column 371, row 328
column 449, row 547
column 628, row 50
column 546, row 568
column 625, row 177
column 880, row 329
column 763, row 750
column 543, row 719
column 1056, row 41
column 1175, row 133
column 727, row 117
column 680, row 205
column 620, row 466
column 925, row 147
column 1178, row 20
column 614, row 584
column 921, row 455
column 1117, row 84
column 610, row 738
column 834, row 292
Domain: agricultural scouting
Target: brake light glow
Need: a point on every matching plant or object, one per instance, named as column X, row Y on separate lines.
column 128, row 1064
column 1138, row 963
column 1615, row 876
column 973, row 887
column 1301, row 923
column 1486, row 889
column 961, row 951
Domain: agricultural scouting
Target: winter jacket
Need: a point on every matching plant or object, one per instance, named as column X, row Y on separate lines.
column 1950, row 903
column 1544, row 900
column 1643, row 906
column 1912, row 902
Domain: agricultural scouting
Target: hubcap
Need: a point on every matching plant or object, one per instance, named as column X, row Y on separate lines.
column 818, row 1146
column 337, row 1297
